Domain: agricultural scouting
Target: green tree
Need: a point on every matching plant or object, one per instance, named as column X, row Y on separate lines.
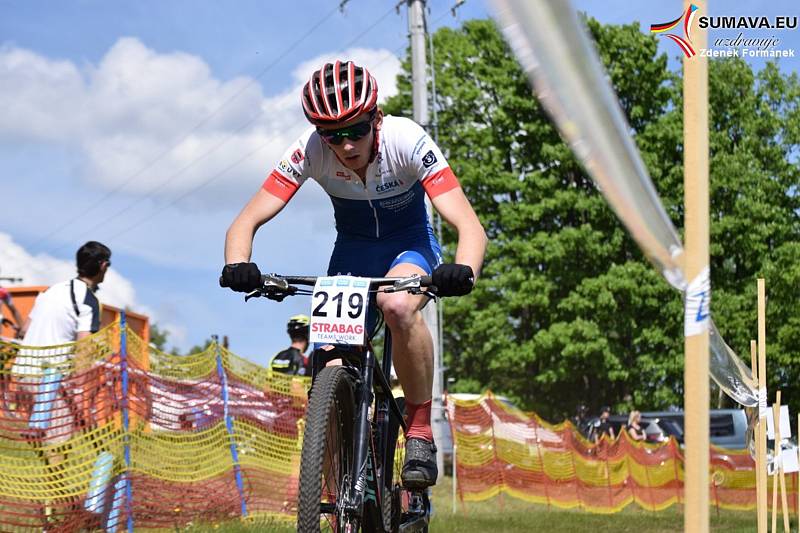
column 158, row 337
column 197, row 348
column 568, row 311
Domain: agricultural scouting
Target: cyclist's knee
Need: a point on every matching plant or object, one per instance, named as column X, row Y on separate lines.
column 399, row 310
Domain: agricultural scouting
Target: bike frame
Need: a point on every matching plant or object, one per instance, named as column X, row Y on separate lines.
column 370, row 439
column 371, row 379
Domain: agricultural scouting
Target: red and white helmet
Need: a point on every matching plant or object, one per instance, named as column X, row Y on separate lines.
column 338, row 92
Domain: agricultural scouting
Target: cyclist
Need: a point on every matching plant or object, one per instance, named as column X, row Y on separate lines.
column 292, row 360
column 376, row 170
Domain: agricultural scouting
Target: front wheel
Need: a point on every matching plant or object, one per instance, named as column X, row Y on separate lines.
column 327, row 456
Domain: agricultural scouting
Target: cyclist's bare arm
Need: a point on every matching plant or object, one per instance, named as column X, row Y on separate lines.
column 239, row 238
column 457, row 211
column 15, row 314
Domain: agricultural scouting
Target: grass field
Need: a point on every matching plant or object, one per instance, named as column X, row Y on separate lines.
column 511, row 515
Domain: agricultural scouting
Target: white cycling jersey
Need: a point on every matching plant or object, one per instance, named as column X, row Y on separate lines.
column 390, row 202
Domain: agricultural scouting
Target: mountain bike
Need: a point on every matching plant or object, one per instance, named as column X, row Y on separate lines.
column 348, row 481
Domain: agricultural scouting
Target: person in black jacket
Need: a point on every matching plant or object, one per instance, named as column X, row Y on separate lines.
column 292, row 360
column 602, row 425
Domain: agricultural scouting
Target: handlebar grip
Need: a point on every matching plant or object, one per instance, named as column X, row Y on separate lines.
column 425, row 281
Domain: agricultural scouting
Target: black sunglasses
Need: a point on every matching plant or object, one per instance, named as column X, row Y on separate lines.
column 354, row 133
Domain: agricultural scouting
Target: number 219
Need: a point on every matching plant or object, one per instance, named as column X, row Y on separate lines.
column 355, row 302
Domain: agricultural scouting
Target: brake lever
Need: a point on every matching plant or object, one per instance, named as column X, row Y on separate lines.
column 252, row 294
column 276, row 297
column 410, row 285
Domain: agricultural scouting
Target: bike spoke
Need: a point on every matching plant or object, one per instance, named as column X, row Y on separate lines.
column 334, row 468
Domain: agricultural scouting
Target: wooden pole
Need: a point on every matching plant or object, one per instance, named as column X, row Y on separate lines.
column 779, row 474
column 696, row 368
column 774, row 486
column 762, row 412
column 756, row 429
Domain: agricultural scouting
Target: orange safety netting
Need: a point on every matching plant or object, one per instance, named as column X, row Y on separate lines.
column 500, row 449
column 109, row 433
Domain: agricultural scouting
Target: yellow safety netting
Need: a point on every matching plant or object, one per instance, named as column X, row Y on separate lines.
column 94, row 436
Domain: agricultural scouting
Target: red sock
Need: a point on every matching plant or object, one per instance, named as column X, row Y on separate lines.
column 419, row 421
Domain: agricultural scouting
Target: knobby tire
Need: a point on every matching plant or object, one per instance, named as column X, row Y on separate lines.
column 327, row 453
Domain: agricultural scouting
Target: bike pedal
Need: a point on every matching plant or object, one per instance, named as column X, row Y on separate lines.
column 418, row 515
column 413, row 522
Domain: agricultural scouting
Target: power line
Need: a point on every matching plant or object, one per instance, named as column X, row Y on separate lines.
column 185, row 136
column 204, row 184
column 214, row 177
column 169, row 180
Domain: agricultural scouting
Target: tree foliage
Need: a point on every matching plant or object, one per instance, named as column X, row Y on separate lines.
column 567, row 310
column 159, row 336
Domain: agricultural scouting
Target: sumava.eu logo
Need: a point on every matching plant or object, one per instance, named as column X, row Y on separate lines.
column 686, row 19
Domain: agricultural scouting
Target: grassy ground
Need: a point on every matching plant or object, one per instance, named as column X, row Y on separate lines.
column 501, row 515
column 512, row 515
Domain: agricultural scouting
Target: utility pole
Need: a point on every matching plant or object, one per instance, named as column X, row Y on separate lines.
column 416, row 30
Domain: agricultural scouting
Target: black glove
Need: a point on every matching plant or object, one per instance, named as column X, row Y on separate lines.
column 453, row 279
column 240, row 277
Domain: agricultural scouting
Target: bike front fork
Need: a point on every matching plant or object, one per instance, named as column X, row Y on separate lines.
column 362, row 439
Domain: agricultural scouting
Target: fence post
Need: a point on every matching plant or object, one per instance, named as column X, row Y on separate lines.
column 126, row 436
column 452, row 421
column 237, row 471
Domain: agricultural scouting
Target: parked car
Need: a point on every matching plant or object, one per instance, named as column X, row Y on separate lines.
column 656, row 430
column 727, row 427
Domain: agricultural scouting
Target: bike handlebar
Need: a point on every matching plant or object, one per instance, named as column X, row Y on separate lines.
column 277, row 287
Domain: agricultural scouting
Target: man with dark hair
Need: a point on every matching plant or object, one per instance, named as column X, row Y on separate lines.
column 292, row 360
column 69, row 311
column 90, row 258
column 61, row 316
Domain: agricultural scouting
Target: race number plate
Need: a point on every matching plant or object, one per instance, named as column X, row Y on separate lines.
column 339, row 310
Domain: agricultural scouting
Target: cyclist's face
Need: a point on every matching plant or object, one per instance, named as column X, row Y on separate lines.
column 355, row 154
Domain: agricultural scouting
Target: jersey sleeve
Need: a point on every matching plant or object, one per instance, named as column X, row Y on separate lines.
column 291, row 171
column 425, row 160
column 89, row 314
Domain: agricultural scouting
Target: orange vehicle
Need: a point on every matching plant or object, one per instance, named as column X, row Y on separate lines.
column 24, row 297
column 100, row 385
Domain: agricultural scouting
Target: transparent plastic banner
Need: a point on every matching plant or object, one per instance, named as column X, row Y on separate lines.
column 554, row 50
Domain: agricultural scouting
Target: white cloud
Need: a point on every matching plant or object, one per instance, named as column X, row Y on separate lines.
column 160, row 123
column 43, row 269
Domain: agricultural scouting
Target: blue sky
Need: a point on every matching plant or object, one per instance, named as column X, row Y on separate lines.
column 148, row 124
